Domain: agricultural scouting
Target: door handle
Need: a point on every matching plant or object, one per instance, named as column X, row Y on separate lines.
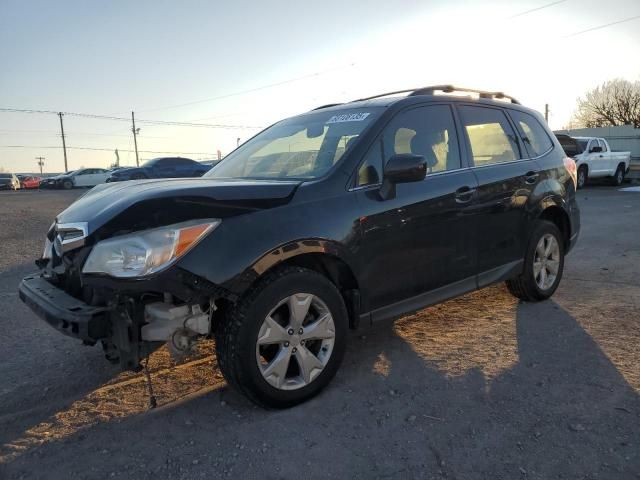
column 531, row 177
column 600, row 156
column 464, row 194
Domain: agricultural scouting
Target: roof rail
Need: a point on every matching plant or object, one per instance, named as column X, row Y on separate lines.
column 450, row 89
column 326, row 106
column 445, row 89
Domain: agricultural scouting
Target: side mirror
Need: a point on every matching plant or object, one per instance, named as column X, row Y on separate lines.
column 402, row 168
column 597, row 149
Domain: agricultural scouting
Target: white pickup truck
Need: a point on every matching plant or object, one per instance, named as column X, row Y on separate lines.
column 595, row 159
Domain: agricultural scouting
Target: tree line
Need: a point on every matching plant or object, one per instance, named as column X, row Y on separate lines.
column 616, row 102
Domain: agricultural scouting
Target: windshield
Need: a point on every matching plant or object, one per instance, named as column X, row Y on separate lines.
column 305, row 147
column 582, row 144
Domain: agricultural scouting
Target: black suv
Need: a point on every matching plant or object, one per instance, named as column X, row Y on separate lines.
column 332, row 220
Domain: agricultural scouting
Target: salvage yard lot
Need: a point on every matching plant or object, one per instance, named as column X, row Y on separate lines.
column 478, row 387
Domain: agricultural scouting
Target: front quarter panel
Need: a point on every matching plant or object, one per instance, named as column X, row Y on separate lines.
column 243, row 248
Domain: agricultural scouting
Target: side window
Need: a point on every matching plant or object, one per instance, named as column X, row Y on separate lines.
column 428, row 131
column 535, row 136
column 593, row 143
column 490, row 135
column 603, row 145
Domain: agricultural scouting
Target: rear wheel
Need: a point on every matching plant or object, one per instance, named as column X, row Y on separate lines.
column 544, row 264
column 284, row 341
column 618, row 178
column 583, row 176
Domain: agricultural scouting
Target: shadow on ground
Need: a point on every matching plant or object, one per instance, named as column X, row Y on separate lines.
column 478, row 387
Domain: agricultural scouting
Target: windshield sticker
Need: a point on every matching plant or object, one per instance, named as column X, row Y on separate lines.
column 348, row 117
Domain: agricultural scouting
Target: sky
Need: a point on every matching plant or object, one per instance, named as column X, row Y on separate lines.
column 244, row 65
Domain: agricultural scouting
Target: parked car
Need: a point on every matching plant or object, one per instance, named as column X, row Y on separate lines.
column 30, row 182
column 84, row 177
column 170, row 167
column 8, row 181
column 595, row 159
column 338, row 218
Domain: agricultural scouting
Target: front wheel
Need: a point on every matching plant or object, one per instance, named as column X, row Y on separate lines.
column 543, row 265
column 67, row 185
column 284, row 340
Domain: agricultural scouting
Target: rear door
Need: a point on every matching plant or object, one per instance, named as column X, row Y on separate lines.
column 165, row 168
column 82, row 178
column 89, row 177
column 100, row 176
column 506, row 179
column 424, row 237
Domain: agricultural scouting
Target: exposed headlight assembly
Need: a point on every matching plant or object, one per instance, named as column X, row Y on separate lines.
column 146, row 252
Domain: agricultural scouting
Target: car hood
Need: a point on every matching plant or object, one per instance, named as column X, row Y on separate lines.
column 106, row 201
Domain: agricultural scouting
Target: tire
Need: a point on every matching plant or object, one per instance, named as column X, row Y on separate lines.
column 528, row 286
column 67, row 185
column 618, row 177
column 583, row 176
column 246, row 343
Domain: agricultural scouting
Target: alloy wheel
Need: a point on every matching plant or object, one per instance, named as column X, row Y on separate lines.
column 546, row 261
column 295, row 341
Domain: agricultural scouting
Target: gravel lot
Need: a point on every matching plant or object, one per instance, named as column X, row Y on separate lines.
column 480, row 387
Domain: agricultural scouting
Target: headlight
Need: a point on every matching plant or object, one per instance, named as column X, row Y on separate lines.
column 143, row 253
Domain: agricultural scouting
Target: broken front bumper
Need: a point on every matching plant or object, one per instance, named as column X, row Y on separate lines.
column 63, row 312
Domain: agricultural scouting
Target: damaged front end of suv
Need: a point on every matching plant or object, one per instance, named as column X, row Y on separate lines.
column 118, row 279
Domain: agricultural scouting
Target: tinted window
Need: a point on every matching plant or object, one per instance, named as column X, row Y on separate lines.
column 534, row 135
column 168, row 162
column 428, row 131
column 603, row 145
column 490, row 135
column 306, row 146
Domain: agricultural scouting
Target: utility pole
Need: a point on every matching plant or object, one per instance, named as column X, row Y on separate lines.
column 135, row 141
column 64, row 145
column 546, row 112
column 40, row 163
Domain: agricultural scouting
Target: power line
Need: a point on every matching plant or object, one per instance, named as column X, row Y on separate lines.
column 147, row 122
column 99, row 149
column 602, row 26
column 526, row 12
column 251, row 90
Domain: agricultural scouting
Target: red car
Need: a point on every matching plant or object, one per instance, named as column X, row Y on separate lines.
column 30, row 182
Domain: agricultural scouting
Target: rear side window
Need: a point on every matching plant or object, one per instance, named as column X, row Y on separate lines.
column 535, row 137
column 491, row 137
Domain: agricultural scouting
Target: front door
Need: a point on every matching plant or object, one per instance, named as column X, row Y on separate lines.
column 424, row 237
column 598, row 161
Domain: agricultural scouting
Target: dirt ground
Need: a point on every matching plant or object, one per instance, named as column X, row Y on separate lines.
column 480, row 387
